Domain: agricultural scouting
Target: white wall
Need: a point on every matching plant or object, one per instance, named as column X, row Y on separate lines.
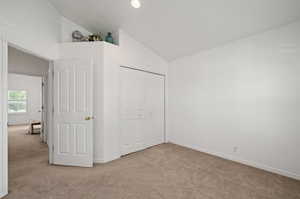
column 23, row 63
column 33, row 25
column 137, row 55
column 244, row 95
column 33, row 86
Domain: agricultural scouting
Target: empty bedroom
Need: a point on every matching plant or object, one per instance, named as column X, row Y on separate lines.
column 143, row 99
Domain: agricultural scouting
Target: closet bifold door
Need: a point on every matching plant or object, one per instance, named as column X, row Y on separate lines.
column 154, row 109
column 142, row 110
column 3, row 118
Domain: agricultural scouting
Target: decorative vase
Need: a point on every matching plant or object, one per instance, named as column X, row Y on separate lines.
column 109, row 38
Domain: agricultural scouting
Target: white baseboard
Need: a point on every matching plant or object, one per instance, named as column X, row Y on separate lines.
column 17, row 123
column 3, row 194
column 245, row 162
column 98, row 160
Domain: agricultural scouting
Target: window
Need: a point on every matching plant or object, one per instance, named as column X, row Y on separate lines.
column 17, row 101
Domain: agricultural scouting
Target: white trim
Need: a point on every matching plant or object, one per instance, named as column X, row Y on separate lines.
column 245, row 162
column 3, row 104
column 46, row 120
column 98, row 161
column 3, row 194
column 166, row 109
column 50, row 112
column 20, row 113
column 110, row 159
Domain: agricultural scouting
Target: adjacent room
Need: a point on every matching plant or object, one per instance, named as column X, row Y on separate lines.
column 150, row 99
column 27, row 114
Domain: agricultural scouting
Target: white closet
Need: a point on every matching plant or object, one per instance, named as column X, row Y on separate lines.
column 142, row 110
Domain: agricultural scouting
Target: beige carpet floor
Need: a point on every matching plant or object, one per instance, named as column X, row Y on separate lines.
column 163, row 172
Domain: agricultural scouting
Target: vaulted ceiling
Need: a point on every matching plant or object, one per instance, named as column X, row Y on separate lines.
column 175, row 28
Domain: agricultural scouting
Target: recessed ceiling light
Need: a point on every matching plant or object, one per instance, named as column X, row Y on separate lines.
column 135, row 3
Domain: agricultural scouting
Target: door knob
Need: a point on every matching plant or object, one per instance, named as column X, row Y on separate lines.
column 89, row 118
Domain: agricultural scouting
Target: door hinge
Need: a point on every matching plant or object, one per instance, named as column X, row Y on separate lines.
column 52, row 109
column 52, row 148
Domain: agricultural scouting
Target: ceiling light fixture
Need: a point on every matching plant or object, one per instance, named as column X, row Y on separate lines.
column 135, row 3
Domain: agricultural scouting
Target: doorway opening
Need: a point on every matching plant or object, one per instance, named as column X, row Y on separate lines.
column 27, row 114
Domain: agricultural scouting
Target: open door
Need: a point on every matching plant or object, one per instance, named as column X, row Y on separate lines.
column 73, row 113
column 44, row 109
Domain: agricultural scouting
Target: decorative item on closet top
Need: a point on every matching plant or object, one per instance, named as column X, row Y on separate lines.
column 77, row 36
column 109, row 38
column 95, row 37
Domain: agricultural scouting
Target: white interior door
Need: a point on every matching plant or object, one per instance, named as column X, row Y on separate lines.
column 142, row 110
column 73, row 113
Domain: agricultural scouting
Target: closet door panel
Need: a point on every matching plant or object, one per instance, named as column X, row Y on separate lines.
column 131, row 105
column 142, row 110
column 155, row 114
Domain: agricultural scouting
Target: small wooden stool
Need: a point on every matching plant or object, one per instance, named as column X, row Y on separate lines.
column 32, row 124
